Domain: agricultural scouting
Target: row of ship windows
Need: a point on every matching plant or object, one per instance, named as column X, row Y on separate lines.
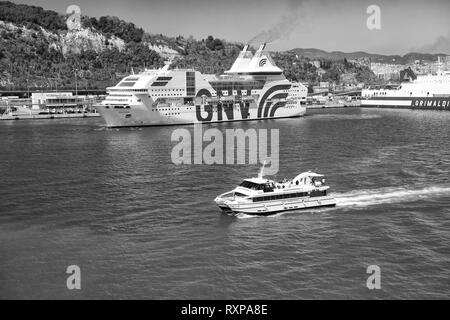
column 385, row 93
column 128, row 90
column 191, row 92
column 119, row 107
column 168, row 109
column 224, row 92
column 291, row 195
column 168, row 95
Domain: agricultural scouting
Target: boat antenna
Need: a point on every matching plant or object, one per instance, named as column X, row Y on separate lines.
column 261, row 172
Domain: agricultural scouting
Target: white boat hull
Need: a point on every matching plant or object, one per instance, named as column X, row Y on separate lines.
column 47, row 116
column 272, row 207
column 141, row 115
column 420, row 103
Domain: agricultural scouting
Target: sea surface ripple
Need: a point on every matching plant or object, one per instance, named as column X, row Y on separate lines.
column 139, row 226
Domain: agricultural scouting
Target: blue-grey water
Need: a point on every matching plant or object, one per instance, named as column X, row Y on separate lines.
column 138, row 226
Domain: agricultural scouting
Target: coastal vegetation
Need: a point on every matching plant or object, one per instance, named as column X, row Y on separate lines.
column 39, row 51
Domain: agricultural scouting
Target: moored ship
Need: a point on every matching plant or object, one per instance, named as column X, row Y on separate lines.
column 414, row 92
column 254, row 88
column 48, row 105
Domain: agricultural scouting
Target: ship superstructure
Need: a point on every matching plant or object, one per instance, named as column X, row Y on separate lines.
column 254, row 88
column 415, row 92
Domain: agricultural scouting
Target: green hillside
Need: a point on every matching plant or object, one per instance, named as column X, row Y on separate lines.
column 38, row 51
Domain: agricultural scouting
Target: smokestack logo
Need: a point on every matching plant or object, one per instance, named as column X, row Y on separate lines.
column 262, row 62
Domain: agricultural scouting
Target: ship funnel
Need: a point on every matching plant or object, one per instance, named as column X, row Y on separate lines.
column 262, row 47
column 242, row 61
column 261, row 63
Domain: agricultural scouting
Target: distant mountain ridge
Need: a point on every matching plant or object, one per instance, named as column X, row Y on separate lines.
column 313, row 53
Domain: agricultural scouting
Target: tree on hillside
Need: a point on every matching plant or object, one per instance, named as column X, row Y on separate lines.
column 31, row 16
column 127, row 31
column 214, row 44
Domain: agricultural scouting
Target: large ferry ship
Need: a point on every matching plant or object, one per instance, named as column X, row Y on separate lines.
column 254, row 88
column 414, row 92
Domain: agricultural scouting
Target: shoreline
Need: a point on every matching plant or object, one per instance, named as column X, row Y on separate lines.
column 49, row 116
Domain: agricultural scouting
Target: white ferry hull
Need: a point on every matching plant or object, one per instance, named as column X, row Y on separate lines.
column 47, row 116
column 268, row 208
column 420, row 103
column 140, row 115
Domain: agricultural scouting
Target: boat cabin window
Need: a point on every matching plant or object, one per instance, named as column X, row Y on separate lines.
column 238, row 194
column 281, row 196
column 266, row 187
column 318, row 181
column 250, row 185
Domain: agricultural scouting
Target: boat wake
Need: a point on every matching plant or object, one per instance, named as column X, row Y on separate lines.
column 371, row 197
column 245, row 216
column 249, row 216
column 364, row 198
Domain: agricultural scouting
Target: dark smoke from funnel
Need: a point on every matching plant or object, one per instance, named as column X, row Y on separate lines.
column 283, row 28
column 440, row 45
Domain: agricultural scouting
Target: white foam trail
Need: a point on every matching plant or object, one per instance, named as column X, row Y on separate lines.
column 364, row 198
column 370, row 197
column 241, row 215
column 250, row 216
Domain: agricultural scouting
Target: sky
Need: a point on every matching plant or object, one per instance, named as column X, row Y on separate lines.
column 331, row 25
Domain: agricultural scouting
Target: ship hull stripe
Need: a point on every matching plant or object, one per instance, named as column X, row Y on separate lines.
column 277, row 105
column 266, row 109
column 268, row 93
column 277, row 96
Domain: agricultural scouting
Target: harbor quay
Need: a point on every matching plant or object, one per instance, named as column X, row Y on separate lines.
column 48, row 105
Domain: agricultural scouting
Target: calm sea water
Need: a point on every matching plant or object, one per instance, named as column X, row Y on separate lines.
column 138, row 226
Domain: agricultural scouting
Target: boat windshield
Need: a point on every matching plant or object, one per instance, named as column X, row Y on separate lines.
column 266, row 187
column 250, row 185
